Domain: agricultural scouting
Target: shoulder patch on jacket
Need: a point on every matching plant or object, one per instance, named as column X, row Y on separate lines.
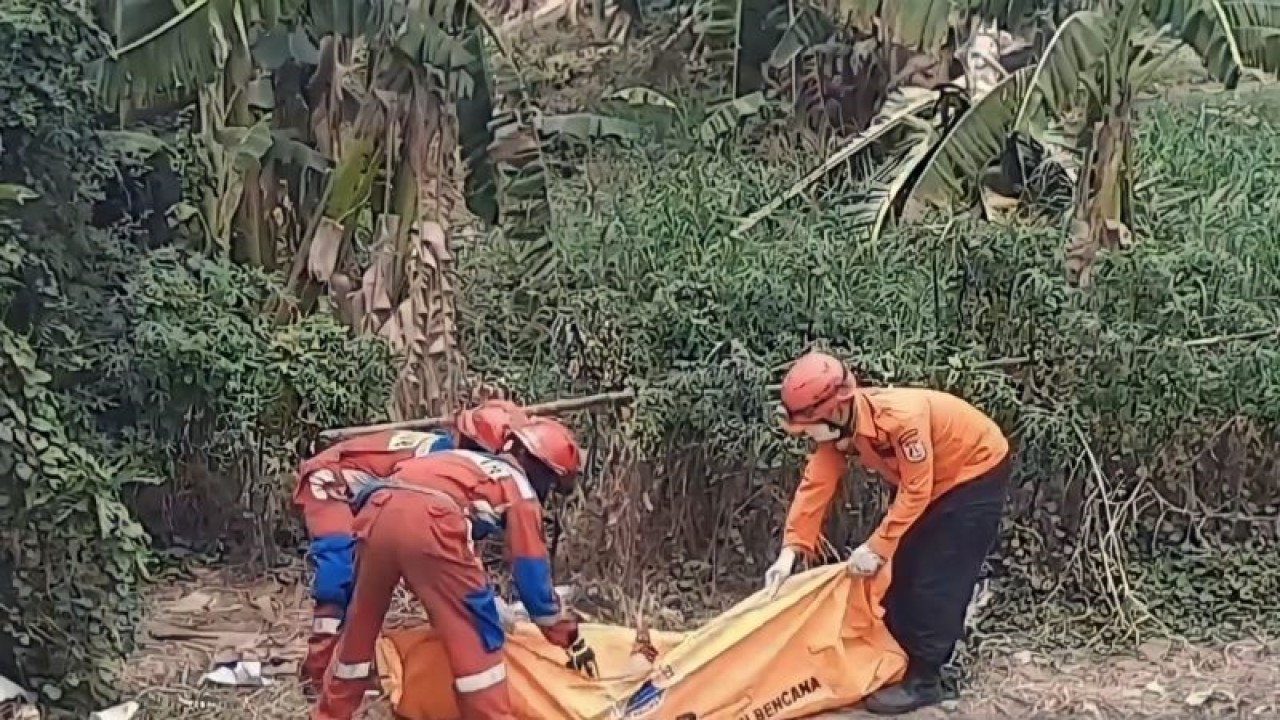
column 406, row 439
column 432, row 442
column 913, row 448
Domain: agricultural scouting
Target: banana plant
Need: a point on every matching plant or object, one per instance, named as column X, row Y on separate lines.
column 1098, row 59
column 230, row 51
column 364, row 148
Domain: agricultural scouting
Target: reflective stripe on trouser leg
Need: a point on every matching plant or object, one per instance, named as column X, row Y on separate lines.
column 482, row 680
column 377, row 570
column 325, row 628
column 444, row 575
column 352, row 671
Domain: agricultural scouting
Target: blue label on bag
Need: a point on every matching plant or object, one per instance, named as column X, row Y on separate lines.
column 641, row 704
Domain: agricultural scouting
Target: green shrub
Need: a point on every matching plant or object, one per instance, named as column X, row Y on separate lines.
column 73, row 556
column 1122, row 399
column 217, row 395
column 134, row 383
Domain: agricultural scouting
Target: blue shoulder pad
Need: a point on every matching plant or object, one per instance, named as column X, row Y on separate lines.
column 443, row 441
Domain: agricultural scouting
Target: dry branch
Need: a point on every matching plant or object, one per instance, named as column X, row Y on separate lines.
column 555, row 407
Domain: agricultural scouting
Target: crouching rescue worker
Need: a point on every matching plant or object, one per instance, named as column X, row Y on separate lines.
column 326, row 483
column 950, row 466
column 422, row 526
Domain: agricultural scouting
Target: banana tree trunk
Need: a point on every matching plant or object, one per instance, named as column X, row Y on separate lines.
column 425, row 322
column 252, row 244
column 1111, row 177
column 1104, row 197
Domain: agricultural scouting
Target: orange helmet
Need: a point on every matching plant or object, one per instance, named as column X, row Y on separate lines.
column 553, row 445
column 489, row 423
column 813, row 390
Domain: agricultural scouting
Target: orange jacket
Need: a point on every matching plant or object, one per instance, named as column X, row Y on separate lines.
column 375, row 455
column 924, row 442
column 497, row 497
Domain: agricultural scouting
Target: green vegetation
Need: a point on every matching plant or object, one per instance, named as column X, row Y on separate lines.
column 267, row 239
column 1144, row 408
column 141, row 387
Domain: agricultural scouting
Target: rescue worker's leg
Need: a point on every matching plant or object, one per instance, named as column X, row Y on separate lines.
column 449, row 580
column 378, row 535
column 934, row 573
column 331, row 556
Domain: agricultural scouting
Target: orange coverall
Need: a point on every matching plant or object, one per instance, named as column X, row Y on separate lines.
column 326, row 482
column 927, row 444
column 422, row 526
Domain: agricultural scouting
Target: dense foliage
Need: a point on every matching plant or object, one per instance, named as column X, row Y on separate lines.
column 1143, row 409
column 156, row 383
column 144, row 385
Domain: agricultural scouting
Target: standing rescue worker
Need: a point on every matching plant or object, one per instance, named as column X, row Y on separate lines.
column 422, row 526
column 950, row 466
column 327, row 482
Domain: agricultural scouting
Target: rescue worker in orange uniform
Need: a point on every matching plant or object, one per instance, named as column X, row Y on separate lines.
column 422, row 525
column 949, row 464
column 328, row 480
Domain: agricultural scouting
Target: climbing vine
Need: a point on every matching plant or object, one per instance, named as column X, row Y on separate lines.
column 151, row 396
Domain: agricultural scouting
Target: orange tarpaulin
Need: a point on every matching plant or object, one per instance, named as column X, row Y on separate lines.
column 820, row 645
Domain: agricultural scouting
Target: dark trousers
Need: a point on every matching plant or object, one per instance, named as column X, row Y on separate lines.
column 937, row 566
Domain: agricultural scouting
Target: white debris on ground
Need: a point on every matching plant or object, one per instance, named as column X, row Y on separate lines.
column 242, row 673
column 16, row 701
column 123, row 711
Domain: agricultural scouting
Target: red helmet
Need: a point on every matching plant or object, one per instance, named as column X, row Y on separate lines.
column 812, row 391
column 553, row 444
column 489, row 423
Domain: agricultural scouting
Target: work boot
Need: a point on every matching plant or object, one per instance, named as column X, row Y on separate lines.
column 915, row 691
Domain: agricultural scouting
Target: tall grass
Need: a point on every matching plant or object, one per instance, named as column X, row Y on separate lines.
column 1143, row 410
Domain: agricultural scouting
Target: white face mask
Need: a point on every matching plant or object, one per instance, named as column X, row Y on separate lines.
column 822, row 432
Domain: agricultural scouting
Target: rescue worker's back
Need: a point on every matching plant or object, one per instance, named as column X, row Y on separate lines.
column 962, row 442
column 965, row 443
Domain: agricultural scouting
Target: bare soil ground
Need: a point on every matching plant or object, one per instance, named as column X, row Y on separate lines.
column 216, row 617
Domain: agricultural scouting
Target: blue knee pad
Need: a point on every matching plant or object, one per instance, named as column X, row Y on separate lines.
column 333, row 560
column 484, row 618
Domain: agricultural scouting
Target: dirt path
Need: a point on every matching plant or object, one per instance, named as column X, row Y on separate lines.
column 213, row 617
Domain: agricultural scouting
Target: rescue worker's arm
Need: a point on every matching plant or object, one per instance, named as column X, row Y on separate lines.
column 531, row 571
column 809, row 507
column 913, row 445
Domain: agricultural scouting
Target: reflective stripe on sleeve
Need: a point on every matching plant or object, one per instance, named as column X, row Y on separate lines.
column 352, row 671
column 546, row 620
column 482, row 680
column 326, row 626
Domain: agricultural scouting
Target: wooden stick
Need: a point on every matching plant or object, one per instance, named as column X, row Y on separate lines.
column 555, row 407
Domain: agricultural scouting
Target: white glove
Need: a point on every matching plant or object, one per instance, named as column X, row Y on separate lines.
column 864, row 561
column 506, row 614
column 779, row 571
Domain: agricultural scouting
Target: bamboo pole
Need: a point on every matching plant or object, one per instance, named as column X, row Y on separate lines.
column 555, row 407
